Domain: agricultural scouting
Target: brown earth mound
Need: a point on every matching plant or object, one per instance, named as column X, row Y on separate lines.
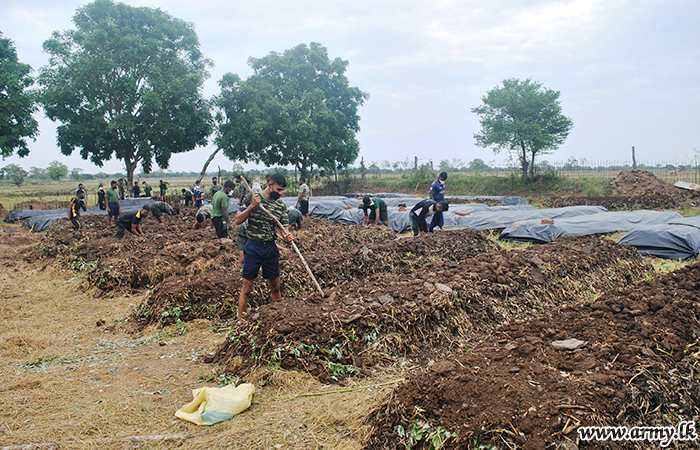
column 174, row 249
column 632, row 190
column 636, row 366
column 198, row 295
column 426, row 310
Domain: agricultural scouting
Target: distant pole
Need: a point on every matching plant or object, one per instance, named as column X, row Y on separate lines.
column 415, row 164
column 362, row 166
column 634, row 159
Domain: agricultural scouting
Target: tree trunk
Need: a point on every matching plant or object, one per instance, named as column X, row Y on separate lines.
column 130, row 169
column 206, row 164
column 523, row 160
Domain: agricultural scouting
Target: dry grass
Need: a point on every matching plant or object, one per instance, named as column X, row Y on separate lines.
column 67, row 380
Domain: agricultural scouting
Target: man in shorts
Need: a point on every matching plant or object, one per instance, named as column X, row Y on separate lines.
column 378, row 211
column 219, row 211
column 160, row 209
column 131, row 221
column 261, row 249
column 113, row 209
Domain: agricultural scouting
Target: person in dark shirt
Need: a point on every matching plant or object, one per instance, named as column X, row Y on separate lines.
column 136, row 190
column 378, row 211
column 131, row 221
column 76, row 203
column 101, row 198
column 437, row 193
column 422, row 210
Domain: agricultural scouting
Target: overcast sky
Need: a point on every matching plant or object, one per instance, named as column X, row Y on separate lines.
column 628, row 70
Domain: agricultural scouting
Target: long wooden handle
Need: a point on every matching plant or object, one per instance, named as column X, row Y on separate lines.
column 296, row 249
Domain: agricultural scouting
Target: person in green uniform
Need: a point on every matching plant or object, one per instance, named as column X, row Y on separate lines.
column 113, row 209
column 303, row 198
column 215, row 187
column 203, row 214
column 160, row 209
column 261, row 249
column 295, row 218
column 219, row 211
column 378, row 211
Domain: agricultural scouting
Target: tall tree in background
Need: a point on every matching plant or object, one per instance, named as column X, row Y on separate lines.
column 524, row 118
column 126, row 83
column 296, row 109
column 56, row 170
column 17, row 102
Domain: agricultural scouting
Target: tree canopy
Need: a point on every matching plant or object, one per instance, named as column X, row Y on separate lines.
column 524, row 118
column 296, row 109
column 126, row 83
column 57, row 170
column 17, row 102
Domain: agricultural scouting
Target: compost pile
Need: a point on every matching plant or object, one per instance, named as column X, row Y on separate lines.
column 635, row 364
column 634, row 189
column 135, row 262
column 425, row 310
column 335, row 257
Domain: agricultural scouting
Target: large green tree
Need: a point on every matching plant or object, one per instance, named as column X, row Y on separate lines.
column 524, row 118
column 296, row 109
column 17, row 102
column 56, row 170
column 126, row 83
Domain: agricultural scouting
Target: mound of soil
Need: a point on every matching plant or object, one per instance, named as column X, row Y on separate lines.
column 632, row 190
column 198, row 296
column 635, row 365
column 173, row 250
column 428, row 309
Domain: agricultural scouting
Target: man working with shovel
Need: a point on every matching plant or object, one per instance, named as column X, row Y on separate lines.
column 261, row 249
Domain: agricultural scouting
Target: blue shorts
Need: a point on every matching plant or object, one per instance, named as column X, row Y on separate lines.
column 261, row 254
column 113, row 210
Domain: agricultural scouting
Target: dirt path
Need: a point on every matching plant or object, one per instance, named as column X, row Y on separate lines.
column 72, row 374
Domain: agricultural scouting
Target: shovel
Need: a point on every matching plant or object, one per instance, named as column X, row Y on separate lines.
column 308, row 270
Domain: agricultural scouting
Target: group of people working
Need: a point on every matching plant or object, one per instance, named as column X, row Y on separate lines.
column 375, row 209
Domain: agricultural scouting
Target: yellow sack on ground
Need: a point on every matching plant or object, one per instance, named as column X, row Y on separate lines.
column 214, row 405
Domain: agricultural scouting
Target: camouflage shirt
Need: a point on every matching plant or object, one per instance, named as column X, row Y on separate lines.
column 160, row 208
column 261, row 227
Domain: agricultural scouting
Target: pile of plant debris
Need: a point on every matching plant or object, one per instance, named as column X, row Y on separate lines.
column 423, row 311
column 629, row 358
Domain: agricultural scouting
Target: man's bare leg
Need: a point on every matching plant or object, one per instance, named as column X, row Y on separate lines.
column 275, row 293
column 246, row 289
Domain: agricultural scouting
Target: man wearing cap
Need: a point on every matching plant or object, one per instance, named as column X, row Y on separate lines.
column 377, row 206
column 219, row 211
column 422, row 210
column 159, row 209
column 261, row 249
column 131, row 221
column 437, row 194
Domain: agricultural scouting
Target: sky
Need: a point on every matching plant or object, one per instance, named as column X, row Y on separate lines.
column 628, row 70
